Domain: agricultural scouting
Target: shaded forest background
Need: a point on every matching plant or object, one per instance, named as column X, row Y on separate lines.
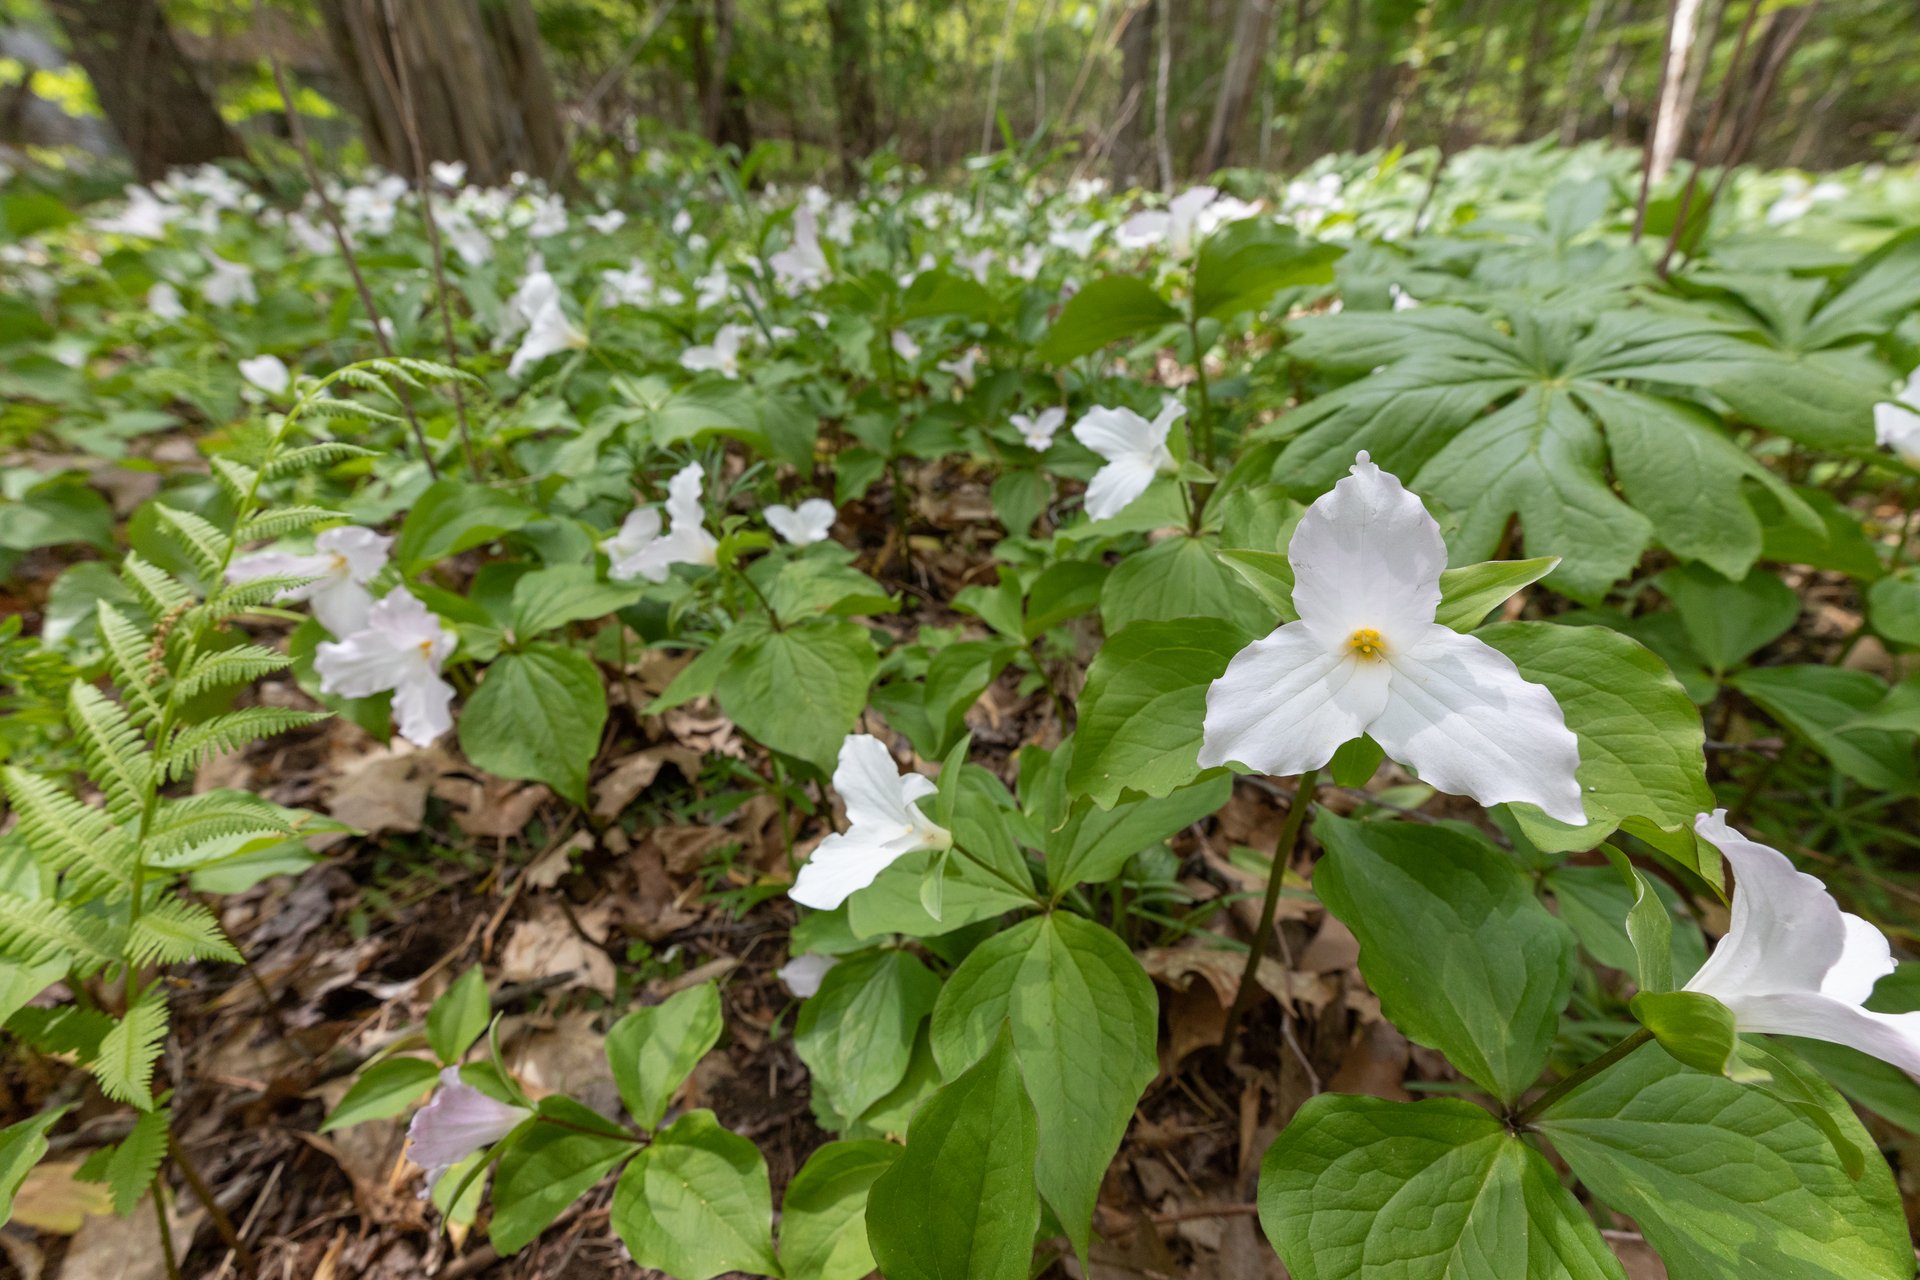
column 1147, row 92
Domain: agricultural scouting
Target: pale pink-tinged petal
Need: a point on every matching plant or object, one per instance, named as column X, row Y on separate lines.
column 1367, row 555
column 1785, row 931
column 281, row 564
column 458, row 1121
column 365, row 663
column 364, row 551
column 1286, row 703
column 803, row 974
column 1461, row 714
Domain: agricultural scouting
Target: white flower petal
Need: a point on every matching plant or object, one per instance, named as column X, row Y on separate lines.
column 364, row 550
column 845, row 863
column 1461, row 714
column 1785, row 931
column 870, row 783
column 1897, row 427
column 803, row 974
column 811, row 522
column 458, row 1121
column 1142, row 229
column 1116, row 433
column 269, row 373
column 1890, row 1037
column 1117, row 484
column 340, row 604
column 1286, row 703
column 421, row 705
column 1367, row 554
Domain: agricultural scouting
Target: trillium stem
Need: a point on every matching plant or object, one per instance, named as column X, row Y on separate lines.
column 1282, row 855
column 1567, row 1084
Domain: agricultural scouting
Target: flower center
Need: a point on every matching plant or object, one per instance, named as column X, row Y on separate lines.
column 1367, row 645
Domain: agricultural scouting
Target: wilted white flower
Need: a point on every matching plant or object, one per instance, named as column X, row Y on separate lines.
column 721, row 356
column 884, row 825
column 810, row 522
column 400, row 650
column 1038, row 430
column 641, row 550
column 1367, row 657
column 1793, row 963
column 229, row 283
column 267, row 372
column 1896, row 422
column 804, row 973
column 456, row 1122
column 344, row 560
column 1135, row 449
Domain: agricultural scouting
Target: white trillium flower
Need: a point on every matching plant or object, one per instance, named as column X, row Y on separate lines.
column 269, row 373
column 711, row 289
column 448, row 173
column 961, row 367
column 884, row 825
column 904, row 346
column 1896, row 422
column 1135, row 449
column 1188, row 217
column 606, row 223
column 230, row 282
column 145, row 217
column 802, row 265
column 810, row 522
column 343, row 562
column 456, row 1122
column 399, row 650
column 1793, row 963
column 1038, row 430
column 1078, row 241
column 548, row 332
column 721, row 356
column 1367, row 657
column 804, row 973
column 642, row 550
column 163, row 300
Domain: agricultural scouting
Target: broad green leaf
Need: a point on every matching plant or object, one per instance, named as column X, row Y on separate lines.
column 1062, row 592
column 1880, row 1087
column 1893, row 604
column 537, row 715
column 1018, row 498
column 546, row 1168
column 652, row 1051
column 1367, row 1189
column 1105, row 310
column 1094, row 844
column 1696, row 1029
column 1471, row 592
column 856, row 1033
column 453, row 516
column 1181, row 577
column 1642, row 748
column 1242, row 266
column 548, row 599
column 1820, row 704
column 1727, row 1182
column 960, row 1203
column 1143, row 706
column 968, row 894
column 1729, row 621
column 458, row 1017
column 696, row 1203
column 382, row 1091
column 1463, row 956
column 817, row 584
column 799, row 691
column 21, row 1146
column 823, row 1220
column 1083, row 1020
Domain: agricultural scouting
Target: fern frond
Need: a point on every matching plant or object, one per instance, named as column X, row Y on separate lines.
column 281, row 521
column 312, row 457
column 129, row 651
column 204, row 543
column 191, row 821
column 241, row 597
column 72, row 840
column 124, row 1066
column 237, row 478
column 159, row 591
column 242, row 664
column 136, row 1158
column 34, row 931
column 195, row 744
column 115, row 754
column 355, row 410
column 175, row 930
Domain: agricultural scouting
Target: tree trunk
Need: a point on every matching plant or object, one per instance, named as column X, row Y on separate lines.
column 145, row 85
column 856, row 116
column 480, row 90
column 1533, row 75
column 726, row 101
column 1252, row 28
column 1136, row 87
column 1670, row 118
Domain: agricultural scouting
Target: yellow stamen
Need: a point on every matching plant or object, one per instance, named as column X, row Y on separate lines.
column 1366, row 643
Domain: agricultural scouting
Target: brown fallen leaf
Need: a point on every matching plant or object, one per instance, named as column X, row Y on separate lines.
column 1375, row 1063
column 111, row 1248
column 621, row 785
column 547, row 943
column 385, row 789
column 52, row 1200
